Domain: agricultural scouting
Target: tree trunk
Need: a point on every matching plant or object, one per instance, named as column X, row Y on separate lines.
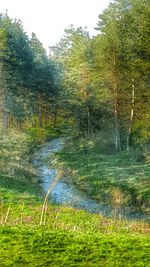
column 117, row 123
column 116, row 116
column 116, row 109
column 117, row 129
column 131, row 115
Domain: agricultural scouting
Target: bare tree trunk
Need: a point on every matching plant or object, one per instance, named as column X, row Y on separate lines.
column 116, row 110
column 131, row 115
column 116, row 117
column 117, row 129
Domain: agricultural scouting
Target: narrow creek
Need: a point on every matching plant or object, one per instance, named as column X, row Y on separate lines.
column 66, row 193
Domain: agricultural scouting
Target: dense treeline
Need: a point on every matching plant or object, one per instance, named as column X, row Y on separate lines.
column 105, row 83
column 28, row 86
column 87, row 85
column 28, row 93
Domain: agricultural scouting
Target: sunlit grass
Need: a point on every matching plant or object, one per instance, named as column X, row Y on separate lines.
column 27, row 211
column 39, row 247
column 70, row 237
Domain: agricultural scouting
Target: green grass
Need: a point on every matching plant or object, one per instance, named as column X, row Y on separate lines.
column 27, row 212
column 100, row 173
column 10, row 184
column 38, row 247
column 70, row 237
column 21, row 206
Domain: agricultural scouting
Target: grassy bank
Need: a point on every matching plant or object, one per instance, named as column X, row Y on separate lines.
column 116, row 178
column 24, row 210
column 67, row 236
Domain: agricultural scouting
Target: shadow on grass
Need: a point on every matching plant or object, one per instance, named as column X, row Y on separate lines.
column 17, row 187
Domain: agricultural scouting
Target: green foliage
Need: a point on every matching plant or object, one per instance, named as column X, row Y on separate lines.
column 15, row 154
column 37, row 136
column 28, row 79
column 121, row 59
column 105, row 78
column 76, row 96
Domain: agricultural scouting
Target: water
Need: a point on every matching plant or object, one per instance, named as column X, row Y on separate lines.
column 66, row 193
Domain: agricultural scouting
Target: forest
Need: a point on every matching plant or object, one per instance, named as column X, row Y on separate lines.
column 92, row 92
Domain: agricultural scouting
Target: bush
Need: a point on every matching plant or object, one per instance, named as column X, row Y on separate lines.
column 15, row 155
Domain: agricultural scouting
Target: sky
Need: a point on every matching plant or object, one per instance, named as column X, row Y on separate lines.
column 48, row 18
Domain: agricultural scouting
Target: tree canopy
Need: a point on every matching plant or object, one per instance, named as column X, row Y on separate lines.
column 87, row 84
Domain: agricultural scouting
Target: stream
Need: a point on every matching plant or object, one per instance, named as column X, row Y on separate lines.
column 66, row 193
